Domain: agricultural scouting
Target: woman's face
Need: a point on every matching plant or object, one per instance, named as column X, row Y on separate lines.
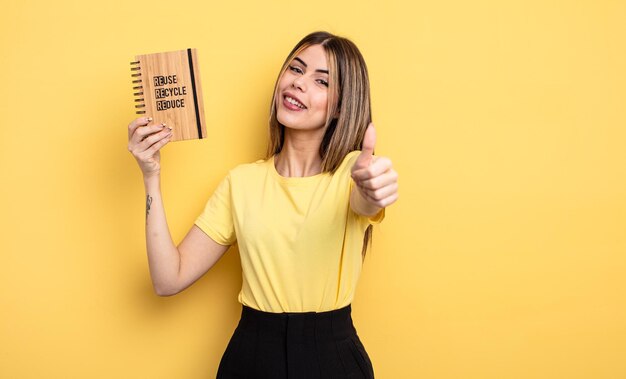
column 302, row 98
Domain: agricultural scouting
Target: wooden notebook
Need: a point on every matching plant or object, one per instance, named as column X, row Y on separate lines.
column 167, row 88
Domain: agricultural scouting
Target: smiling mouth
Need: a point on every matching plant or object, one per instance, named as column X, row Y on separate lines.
column 294, row 102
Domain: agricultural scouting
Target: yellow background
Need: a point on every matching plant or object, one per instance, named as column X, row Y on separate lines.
column 505, row 256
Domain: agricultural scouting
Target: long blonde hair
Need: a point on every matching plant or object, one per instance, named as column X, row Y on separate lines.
column 349, row 109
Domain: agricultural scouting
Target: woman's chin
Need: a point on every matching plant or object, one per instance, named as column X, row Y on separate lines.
column 297, row 124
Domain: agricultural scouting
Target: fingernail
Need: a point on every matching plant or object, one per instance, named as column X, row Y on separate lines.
column 170, row 128
column 149, row 119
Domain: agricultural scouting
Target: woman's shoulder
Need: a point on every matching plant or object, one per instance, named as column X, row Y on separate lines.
column 351, row 156
column 246, row 169
column 349, row 160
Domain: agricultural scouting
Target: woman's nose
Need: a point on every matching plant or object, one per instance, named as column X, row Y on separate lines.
column 298, row 83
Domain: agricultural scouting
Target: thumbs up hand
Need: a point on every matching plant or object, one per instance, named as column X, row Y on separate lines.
column 376, row 180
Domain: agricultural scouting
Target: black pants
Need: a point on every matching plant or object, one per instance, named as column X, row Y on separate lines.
column 311, row 345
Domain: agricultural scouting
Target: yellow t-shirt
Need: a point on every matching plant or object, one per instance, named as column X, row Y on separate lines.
column 299, row 241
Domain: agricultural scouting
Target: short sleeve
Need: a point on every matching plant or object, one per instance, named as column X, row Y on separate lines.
column 217, row 219
column 377, row 218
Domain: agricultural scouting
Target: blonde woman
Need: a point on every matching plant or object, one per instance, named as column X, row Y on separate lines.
column 302, row 218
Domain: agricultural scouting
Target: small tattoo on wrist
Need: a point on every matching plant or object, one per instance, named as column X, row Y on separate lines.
column 148, row 203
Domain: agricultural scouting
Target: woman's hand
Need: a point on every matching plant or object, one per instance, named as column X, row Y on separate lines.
column 144, row 142
column 376, row 180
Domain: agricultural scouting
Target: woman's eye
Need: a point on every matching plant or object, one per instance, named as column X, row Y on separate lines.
column 323, row 82
column 295, row 69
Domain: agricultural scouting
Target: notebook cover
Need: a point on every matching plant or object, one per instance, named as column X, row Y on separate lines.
column 167, row 88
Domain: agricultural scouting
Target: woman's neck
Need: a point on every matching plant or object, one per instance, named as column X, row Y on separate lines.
column 300, row 155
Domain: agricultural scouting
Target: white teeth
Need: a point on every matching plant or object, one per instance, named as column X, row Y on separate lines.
column 294, row 102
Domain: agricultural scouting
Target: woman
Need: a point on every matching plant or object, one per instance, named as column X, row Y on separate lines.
column 301, row 223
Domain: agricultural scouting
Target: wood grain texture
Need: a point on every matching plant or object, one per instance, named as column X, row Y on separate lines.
column 164, row 85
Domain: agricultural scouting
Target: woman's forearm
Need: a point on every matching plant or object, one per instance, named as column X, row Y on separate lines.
column 163, row 256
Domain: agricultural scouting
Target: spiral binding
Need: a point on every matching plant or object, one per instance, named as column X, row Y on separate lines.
column 139, row 88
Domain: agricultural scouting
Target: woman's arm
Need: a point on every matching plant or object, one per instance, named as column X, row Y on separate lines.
column 172, row 269
column 376, row 182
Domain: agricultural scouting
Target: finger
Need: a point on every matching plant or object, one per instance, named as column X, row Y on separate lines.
column 378, row 167
column 380, row 181
column 143, row 131
column 153, row 138
column 381, row 203
column 158, row 145
column 140, row 134
column 388, row 200
column 367, row 150
column 141, row 121
column 382, row 193
column 365, row 195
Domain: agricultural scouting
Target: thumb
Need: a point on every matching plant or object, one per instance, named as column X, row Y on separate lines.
column 367, row 151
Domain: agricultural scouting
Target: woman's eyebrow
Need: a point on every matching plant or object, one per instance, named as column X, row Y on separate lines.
column 305, row 65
